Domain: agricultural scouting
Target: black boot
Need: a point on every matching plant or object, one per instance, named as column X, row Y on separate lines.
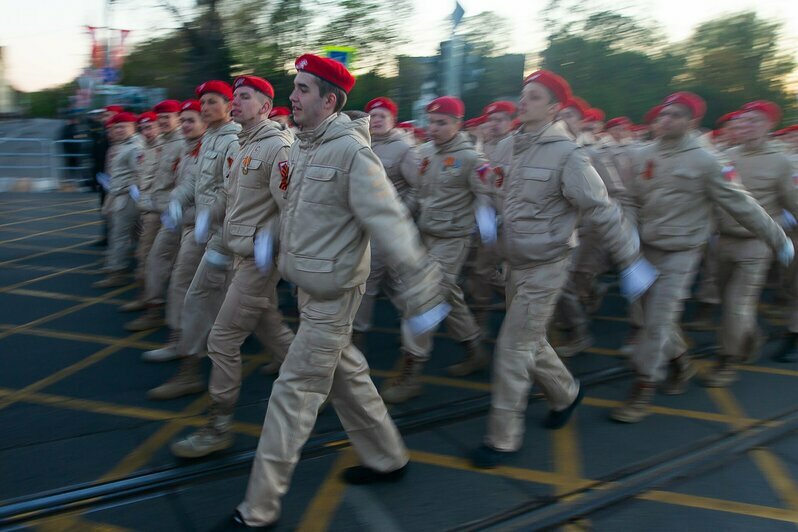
column 788, row 351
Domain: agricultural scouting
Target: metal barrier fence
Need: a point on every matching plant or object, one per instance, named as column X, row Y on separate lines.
column 65, row 160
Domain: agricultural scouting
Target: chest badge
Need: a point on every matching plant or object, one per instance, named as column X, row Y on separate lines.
column 245, row 165
column 729, row 173
column 285, row 171
column 451, row 162
column 424, row 165
column 648, row 173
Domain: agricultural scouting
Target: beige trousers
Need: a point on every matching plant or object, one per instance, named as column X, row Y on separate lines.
column 523, row 354
column 186, row 263
column 743, row 265
column 160, row 262
column 321, row 362
column 661, row 339
column 250, row 297
column 123, row 215
column 381, row 276
column 450, row 254
column 150, row 224
column 708, row 289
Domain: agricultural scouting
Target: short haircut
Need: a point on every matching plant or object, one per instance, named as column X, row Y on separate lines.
column 325, row 88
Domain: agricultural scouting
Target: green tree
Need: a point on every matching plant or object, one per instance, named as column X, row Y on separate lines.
column 735, row 59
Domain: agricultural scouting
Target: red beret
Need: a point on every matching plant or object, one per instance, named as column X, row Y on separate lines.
column 577, row 103
column 694, row 103
column 167, row 106
column 447, row 105
column 147, row 117
column 383, row 103
column 219, row 87
column 594, row 114
column 727, row 117
column 406, row 125
column 554, row 83
column 771, row 110
column 121, row 118
column 652, row 114
column 114, row 108
column 618, row 121
column 259, row 84
column 280, row 111
column 420, row 133
column 502, row 106
column 327, row 69
column 191, row 105
column 516, row 124
column 639, row 127
column 475, row 122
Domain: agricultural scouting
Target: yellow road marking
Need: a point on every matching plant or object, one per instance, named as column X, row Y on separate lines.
column 80, row 337
column 72, row 250
column 774, row 471
column 320, row 512
column 72, row 213
column 85, row 224
column 43, row 253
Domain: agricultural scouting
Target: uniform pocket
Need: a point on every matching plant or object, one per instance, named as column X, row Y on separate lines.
column 250, row 175
column 307, row 264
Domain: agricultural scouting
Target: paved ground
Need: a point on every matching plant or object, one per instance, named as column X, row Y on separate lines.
column 73, row 411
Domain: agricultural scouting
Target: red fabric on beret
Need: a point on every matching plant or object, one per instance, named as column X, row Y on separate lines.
column 259, row 84
column 652, row 114
column 577, row 103
column 594, row 114
column 191, row 105
column 554, row 83
column 167, row 106
column 327, row 69
column 121, row 118
column 639, row 127
column 383, row 103
column 219, row 87
column 447, row 105
column 280, row 111
column 727, row 117
column 618, row 121
column 475, row 122
column 694, row 103
column 406, row 125
column 502, row 106
column 147, row 117
column 771, row 110
column 114, row 108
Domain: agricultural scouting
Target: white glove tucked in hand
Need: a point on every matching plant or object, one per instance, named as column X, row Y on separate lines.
column 168, row 222
column 134, row 192
column 426, row 321
column 175, row 211
column 104, row 180
column 637, row 278
column 264, row 251
column 788, row 221
column 486, row 222
column 201, row 227
column 786, row 253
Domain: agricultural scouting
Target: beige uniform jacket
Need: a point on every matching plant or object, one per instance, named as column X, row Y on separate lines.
column 675, row 187
column 165, row 174
column 187, row 170
column 219, row 149
column 251, row 199
column 337, row 199
column 148, row 163
column 400, row 160
column 124, row 167
column 453, row 178
column 549, row 184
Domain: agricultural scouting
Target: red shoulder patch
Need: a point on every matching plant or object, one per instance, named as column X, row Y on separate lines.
column 648, row 173
column 285, row 171
column 729, row 173
column 424, row 165
column 482, row 172
column 499, row 180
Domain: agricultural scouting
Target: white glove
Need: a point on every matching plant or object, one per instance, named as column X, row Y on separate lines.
column 486, row 222
column 168, row 222
column 104, row 180
column 786, row 253
column 134, row 192
column 201, row 227
column 264, row 251
column 428, row 320
column 218, row 260
column 637, row 278
column 175, row 211
column 788, row 221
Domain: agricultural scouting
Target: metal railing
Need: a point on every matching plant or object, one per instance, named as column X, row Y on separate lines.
column 45, row 158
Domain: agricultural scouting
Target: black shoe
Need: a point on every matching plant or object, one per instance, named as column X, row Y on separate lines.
column 788, row 351
column 485, row 457
column 558, row 418
column 102, row 243
column 365, row 475
column 237, row 523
